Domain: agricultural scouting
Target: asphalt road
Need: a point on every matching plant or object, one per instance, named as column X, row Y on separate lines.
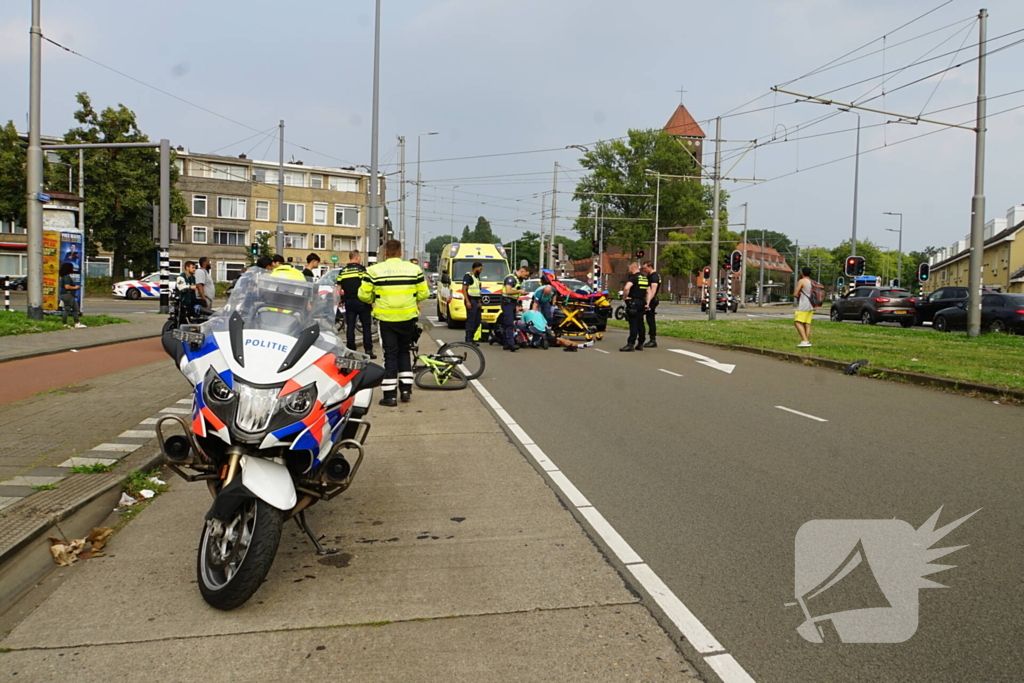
column 709, row 481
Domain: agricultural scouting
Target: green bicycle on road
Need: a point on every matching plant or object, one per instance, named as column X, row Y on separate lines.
column 451, row 368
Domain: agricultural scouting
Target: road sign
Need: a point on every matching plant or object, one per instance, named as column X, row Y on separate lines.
column 43, row 197
column 334, row 258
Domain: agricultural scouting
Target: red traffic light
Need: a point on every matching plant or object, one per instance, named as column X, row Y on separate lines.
column 639, row 253
column 854, row 266
column 736, row 261
column 707, row 272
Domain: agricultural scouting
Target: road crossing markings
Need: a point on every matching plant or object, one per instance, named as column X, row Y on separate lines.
column 723, row 664
column 797, row 412
column 704, row 360
column 669, row 372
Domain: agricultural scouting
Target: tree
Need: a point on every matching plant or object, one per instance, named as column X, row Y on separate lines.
column 481, row 234
column 435, row 246
column 12, row 175
column 118, row 184
column 526, row 247
column 265, row 250
column 679, row 259
column 873, row 261
column 618, row 181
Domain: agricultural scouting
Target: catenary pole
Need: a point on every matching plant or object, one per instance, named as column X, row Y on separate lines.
column 81, row 207
column 978, row 200
column 554, row 215
column 375, row 222
column 401, row 193
column 543, row 211
column 657, row 216
column 716, row 205
column 279, row 235
column 743, row 271
column 34, row 170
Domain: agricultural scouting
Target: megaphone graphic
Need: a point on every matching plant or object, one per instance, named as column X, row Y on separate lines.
column 851, row 586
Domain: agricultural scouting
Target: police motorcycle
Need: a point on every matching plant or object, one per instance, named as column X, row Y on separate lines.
column 180, row 313
column 278, row 423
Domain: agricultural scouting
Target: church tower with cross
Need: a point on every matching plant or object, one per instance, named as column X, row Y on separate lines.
column 683, row 126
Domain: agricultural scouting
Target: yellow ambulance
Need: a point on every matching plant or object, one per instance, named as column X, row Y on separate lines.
column 456, row 260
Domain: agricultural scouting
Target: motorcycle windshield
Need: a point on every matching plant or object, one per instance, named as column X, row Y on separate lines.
column 278, row 303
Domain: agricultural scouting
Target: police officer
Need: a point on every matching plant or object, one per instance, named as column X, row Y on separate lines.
column 395, row 287
column 635, row 294
column 653, row 287
column 471, row 295
column 511, row 290
column 349, row 280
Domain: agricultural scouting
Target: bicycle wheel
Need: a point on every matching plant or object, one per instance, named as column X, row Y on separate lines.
column 443, row 379
column 473, row 362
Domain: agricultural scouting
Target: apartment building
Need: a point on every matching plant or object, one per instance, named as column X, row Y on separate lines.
column 1002, row 262
column 233, row 199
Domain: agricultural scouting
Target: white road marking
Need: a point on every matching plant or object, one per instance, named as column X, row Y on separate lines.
column 177, row 411
column 692, row 629
column 675, row 610
column 117, row 447
column 185, row 401
column 137, row 434
column 669, row 372
column 727, row 368
column 601, row 350
column 797, row 412
column 149, row 421
column 728, row 669
column 86, row 462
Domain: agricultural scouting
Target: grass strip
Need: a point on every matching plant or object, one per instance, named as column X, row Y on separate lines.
column 17, row 322
column 996, row 359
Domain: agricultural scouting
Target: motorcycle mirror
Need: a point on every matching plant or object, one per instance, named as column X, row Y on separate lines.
column 371, row 377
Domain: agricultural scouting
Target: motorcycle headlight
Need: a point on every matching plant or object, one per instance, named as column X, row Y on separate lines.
column 217, row 391
column 300, row 402
column 255, row 406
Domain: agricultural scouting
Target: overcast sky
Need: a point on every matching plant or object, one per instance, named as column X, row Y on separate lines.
column 512, row 76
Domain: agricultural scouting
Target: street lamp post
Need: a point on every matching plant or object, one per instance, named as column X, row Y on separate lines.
column 419, row 185
column 451, row 229
column 856, row 183
column 899, row 252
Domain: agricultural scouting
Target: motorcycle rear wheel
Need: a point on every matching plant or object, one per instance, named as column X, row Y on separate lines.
column 232, row 564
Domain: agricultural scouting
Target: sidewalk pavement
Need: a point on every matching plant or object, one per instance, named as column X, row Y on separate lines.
column 41, row 343
column 458, row 563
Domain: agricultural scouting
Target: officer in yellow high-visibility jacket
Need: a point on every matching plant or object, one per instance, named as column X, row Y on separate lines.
column 395, row 287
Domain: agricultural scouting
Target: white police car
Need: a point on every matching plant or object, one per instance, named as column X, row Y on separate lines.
column 148, row 287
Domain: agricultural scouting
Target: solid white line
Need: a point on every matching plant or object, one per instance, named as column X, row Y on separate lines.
column 728, row 669
column 540, row 457
column 797, row 412
column 569, row 489
column 675, row 610
column 601, row 350
column 520, row 434
column 504, row 416
column 617, row 543
column 669, row 372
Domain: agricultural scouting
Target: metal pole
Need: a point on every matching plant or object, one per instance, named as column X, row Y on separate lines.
column 657, row 215
column 419, row 183
column 451, row 229
column 743, row 271
column 856, row 184
column 279, row 238
column 978, row 200
column 81, row 207
column 375, row 222
column 600, row 246
column 401, row 194
column 899, row 254
column 760, row 278
column 165, row 223
column 543, row 210
column 554, row 214
column 34, row 171
column 715, row 265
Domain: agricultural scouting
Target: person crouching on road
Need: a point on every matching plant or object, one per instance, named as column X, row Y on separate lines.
column 395, row 287
column 544, row 295
column 511, row 290
column 804, row 310
column 635, row 294
column 534, row 324
column 471, row 296
column 653, row 287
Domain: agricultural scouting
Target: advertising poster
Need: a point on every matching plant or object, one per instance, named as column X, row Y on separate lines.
column 51, row 267
column 72, row 251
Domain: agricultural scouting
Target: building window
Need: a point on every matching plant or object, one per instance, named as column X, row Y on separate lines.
column 265, row 175
column 228, row 271
column 319, row 214
column 294, row 213
column 174, row 266
column 231, row 207
column 198, row 234
column 319, row 241
column 199, row 205
column 343, row 243
column 262, row 210
column 231, row 238
column 295, row 178
column 15, row 265
column 295, row 240
column 316, row 181
column 98, row 266
column 339, row 184
column 203, row 169
column 347, row 216
column 12, row 228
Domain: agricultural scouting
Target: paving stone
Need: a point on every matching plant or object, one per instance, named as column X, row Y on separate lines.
column 87, row 462
column 137, row 434
column 15, row 491
column 33, row 481
column 6, row 501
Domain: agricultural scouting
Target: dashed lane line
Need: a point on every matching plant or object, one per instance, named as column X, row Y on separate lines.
column 669, row 372
column 797, row 412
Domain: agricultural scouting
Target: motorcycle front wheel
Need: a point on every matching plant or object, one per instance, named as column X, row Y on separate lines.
column 235, row 556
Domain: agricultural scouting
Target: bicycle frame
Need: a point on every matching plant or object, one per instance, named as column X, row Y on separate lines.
column 441, row 368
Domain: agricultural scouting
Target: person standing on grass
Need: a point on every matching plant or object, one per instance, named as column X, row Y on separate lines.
column 804, row 309
column 69, row 294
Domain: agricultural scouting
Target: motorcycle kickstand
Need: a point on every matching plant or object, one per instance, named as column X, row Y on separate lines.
column 300, row 519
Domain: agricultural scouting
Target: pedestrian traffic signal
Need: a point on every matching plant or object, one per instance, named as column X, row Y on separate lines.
column 736, row 261
column 840, row 283
column 923, row 272
column 854, row 266
column 707, row 272
column 639, row 253
column 255, row 249
column 595, row 247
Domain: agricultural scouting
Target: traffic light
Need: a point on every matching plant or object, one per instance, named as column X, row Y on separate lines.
column 840, row 283
column 255, row 249
column 854, row 266
column 924, row 271
column 736, row 261
column 639, row 253
column 595, row 247
column 707, row 273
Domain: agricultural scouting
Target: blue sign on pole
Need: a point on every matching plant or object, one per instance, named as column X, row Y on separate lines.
column 43, row 197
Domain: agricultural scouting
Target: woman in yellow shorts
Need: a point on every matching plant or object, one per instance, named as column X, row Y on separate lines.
column 804, row 310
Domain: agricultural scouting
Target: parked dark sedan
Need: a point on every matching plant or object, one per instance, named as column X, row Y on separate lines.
column 872, row 305
column 999, row 313
column 18, row 284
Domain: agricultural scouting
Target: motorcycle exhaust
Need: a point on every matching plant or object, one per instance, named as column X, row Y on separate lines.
column 182, row 450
